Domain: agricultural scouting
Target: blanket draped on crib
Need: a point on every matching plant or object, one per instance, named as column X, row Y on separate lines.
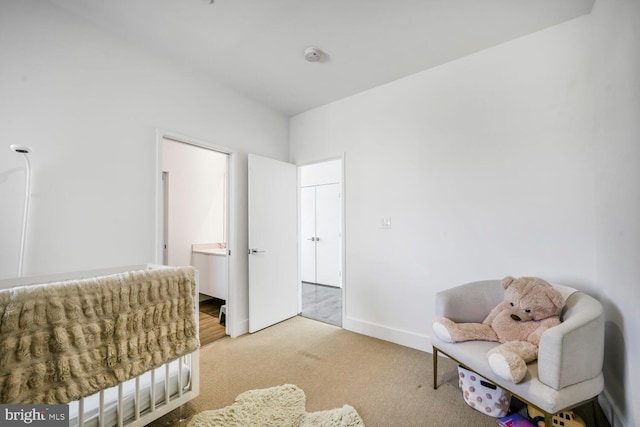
column 66, row 340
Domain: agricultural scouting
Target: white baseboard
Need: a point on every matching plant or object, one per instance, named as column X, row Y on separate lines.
column 611, row 411
column 240, row 327
column 397, row 336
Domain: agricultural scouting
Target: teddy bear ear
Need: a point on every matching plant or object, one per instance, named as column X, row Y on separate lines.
column 507, row 281
column 555, row 297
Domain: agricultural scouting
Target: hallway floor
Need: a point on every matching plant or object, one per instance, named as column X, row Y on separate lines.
column 323, row 303
column 210, row 327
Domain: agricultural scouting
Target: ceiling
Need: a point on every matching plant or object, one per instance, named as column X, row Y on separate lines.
column 257, row 46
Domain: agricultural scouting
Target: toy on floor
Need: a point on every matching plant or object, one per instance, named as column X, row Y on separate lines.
column 514, row 420
column 564, row 418
column 530, row 307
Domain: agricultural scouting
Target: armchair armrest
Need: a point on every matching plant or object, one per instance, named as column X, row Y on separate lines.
column 471, row 302
column 573, row 351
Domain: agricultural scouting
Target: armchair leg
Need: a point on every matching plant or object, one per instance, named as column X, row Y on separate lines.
column 548, row 419
column 435, row 368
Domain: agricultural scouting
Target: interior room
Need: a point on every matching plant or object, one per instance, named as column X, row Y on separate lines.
column 194, row 182
column 476, row 140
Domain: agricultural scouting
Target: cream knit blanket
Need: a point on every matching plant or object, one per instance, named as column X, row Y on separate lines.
column 280, row 406
column 62, row 341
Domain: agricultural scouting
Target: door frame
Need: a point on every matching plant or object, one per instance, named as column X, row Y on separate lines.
column 161, row 134
column 343, row 281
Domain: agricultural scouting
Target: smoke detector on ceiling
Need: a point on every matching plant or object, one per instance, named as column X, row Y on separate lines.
column 312, row 54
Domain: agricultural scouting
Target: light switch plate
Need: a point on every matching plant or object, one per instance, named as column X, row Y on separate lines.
column 385, row 222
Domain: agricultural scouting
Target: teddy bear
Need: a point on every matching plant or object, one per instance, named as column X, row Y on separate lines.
column 530, row 307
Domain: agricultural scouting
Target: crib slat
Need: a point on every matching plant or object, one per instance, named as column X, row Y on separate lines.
column 81, row 412
column 120, row 405
column 101, row 406
column 137, row 399
column 152, row 391
column 166, row 384
column 180, row 360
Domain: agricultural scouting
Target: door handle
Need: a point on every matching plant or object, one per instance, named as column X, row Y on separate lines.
column 313, row 239
column 255, row 251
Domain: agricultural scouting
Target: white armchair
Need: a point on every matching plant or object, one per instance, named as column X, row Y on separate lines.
column 568, row 371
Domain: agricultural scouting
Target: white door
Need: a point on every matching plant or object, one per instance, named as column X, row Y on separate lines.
column 273, row 260
column 308, row 234
column 327, row 242
column 320, row 234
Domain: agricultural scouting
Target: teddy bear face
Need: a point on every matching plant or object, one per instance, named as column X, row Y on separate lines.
column 519, row 310
column 530, row 298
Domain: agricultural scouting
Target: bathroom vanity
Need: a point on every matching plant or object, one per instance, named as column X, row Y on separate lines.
column 212, row 262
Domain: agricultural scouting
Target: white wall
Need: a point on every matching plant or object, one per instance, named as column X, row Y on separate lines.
column 89, row 105
column 519, row 160
column 329, row 172
column 616, row 136
column 197, row 198
column 470, row 162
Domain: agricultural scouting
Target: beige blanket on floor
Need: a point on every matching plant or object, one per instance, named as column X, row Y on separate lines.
column 62, row 341
column 280, row 406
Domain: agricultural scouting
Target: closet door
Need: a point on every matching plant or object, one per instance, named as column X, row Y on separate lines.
column 308, row 234
column 328, row 234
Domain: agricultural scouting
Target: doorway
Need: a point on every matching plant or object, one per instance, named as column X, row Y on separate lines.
column 195, row 223
column 321, row 207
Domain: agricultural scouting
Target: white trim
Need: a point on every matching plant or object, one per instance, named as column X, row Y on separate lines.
column 233, row 322
column 343, row 225
column 162, row 134
column 242, row 327
column 611, row 410
column 397, row 336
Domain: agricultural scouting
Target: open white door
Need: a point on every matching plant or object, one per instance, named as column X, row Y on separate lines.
column 273, row 244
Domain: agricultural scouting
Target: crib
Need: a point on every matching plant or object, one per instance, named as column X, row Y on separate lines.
column 136, row 400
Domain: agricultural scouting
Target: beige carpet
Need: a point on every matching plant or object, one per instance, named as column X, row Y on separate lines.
column 280, row 406
column 387, row 384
